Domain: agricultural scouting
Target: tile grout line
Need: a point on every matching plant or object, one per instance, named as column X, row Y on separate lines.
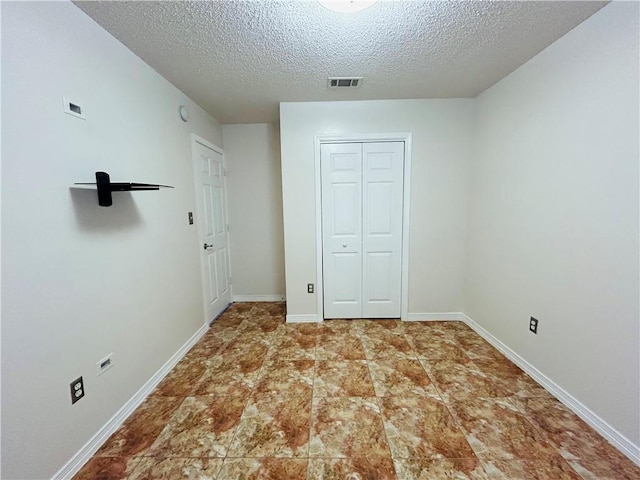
column 226, row 455
column 313, row 389
column 544, row 434
column 384, row 429
column 483, row 461
column 379, row 402
column 449, row 410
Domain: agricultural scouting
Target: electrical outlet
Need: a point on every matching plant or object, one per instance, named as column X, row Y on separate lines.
column 77, row 390
column 309, row 287
column 533, row 325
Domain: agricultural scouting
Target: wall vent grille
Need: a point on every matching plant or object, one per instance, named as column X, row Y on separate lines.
column 344, row 82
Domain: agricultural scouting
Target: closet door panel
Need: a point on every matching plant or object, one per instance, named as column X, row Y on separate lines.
column 341, row 170
column 382, row 194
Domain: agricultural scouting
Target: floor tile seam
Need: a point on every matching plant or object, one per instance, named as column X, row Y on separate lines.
column 481, row 455
column 366, row 362
column 235, row 429
column 484, row 461
column 409, row 340
column 432, row 382
column 313, row 389
column 475, row 457
column 434, row 456
column 292, row 457
column 322, row 457
column 541, row 431
column 413, row 350
column 484, row 466
column 386, row 436
column 453, row 400
column 374, row 336
column 412, row 345
column 262, row 367
column 373, row 382
column 345, row 396
column 374, row 358
column 443, row 400
column 134, row 470
column 194, row 385
column 587, row 477
column 166, row 423
column 178, row 457
column 452, row 413
column 409, row 395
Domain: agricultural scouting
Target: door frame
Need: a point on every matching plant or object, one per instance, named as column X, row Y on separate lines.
column 195, row 139
column 406, row 213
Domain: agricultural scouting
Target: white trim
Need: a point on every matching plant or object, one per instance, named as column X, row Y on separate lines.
column 432, row 317
column 406, row 215
column 258, row 298
column 86, row 452
column 622, row 443
column 406, row 218
column 318, row 185
column 202, row 141
column 309, row 318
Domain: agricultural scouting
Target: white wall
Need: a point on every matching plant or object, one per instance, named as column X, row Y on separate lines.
column 78, row 280
column 254, row 184
column 554, row 214
column 441, row 145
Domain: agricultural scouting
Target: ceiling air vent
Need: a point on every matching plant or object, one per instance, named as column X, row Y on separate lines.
column 344, row 82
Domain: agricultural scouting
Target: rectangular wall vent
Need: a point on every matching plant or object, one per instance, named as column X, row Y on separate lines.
column 344, row 82
column 105, row 364
column 73, row 108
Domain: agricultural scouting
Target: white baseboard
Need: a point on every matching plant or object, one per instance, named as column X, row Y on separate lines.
column 258, row 298
column 308, row 318
column 622, row 443
column 86, row 452
column 412, row 317
column 421, row 317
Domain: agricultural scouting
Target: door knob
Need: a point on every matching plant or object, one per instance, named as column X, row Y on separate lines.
column 344, row 245
column 207, row 246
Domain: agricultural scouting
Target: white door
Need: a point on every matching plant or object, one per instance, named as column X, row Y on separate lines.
column 212, row 226
column 341, row 169
column 362, row 192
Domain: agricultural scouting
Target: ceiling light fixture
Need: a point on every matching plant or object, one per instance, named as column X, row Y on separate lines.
column 346, row 6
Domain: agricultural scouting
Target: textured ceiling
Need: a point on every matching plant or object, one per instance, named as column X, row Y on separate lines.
column 239, row 59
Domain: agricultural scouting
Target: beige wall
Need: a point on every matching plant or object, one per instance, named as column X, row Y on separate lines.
column 254, row 191
column 441, row 143
column 80, row 281
column 554, row 214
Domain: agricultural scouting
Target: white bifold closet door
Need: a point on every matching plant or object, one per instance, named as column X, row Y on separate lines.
column 362, row 192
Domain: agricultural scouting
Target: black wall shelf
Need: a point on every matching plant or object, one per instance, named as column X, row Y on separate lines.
column 106, row 187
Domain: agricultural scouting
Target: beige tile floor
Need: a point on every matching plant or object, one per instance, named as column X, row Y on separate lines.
column 350, row 400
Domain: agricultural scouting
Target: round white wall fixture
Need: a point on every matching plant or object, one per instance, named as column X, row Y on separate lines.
column 184, row 113
column 346, row 6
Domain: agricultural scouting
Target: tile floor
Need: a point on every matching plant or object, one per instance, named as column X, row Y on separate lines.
column 350, row 400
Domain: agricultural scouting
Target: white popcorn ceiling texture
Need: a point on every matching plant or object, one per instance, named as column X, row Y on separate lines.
column 239, row 59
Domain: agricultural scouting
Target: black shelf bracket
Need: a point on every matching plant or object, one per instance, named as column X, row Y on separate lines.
column 106, row 187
